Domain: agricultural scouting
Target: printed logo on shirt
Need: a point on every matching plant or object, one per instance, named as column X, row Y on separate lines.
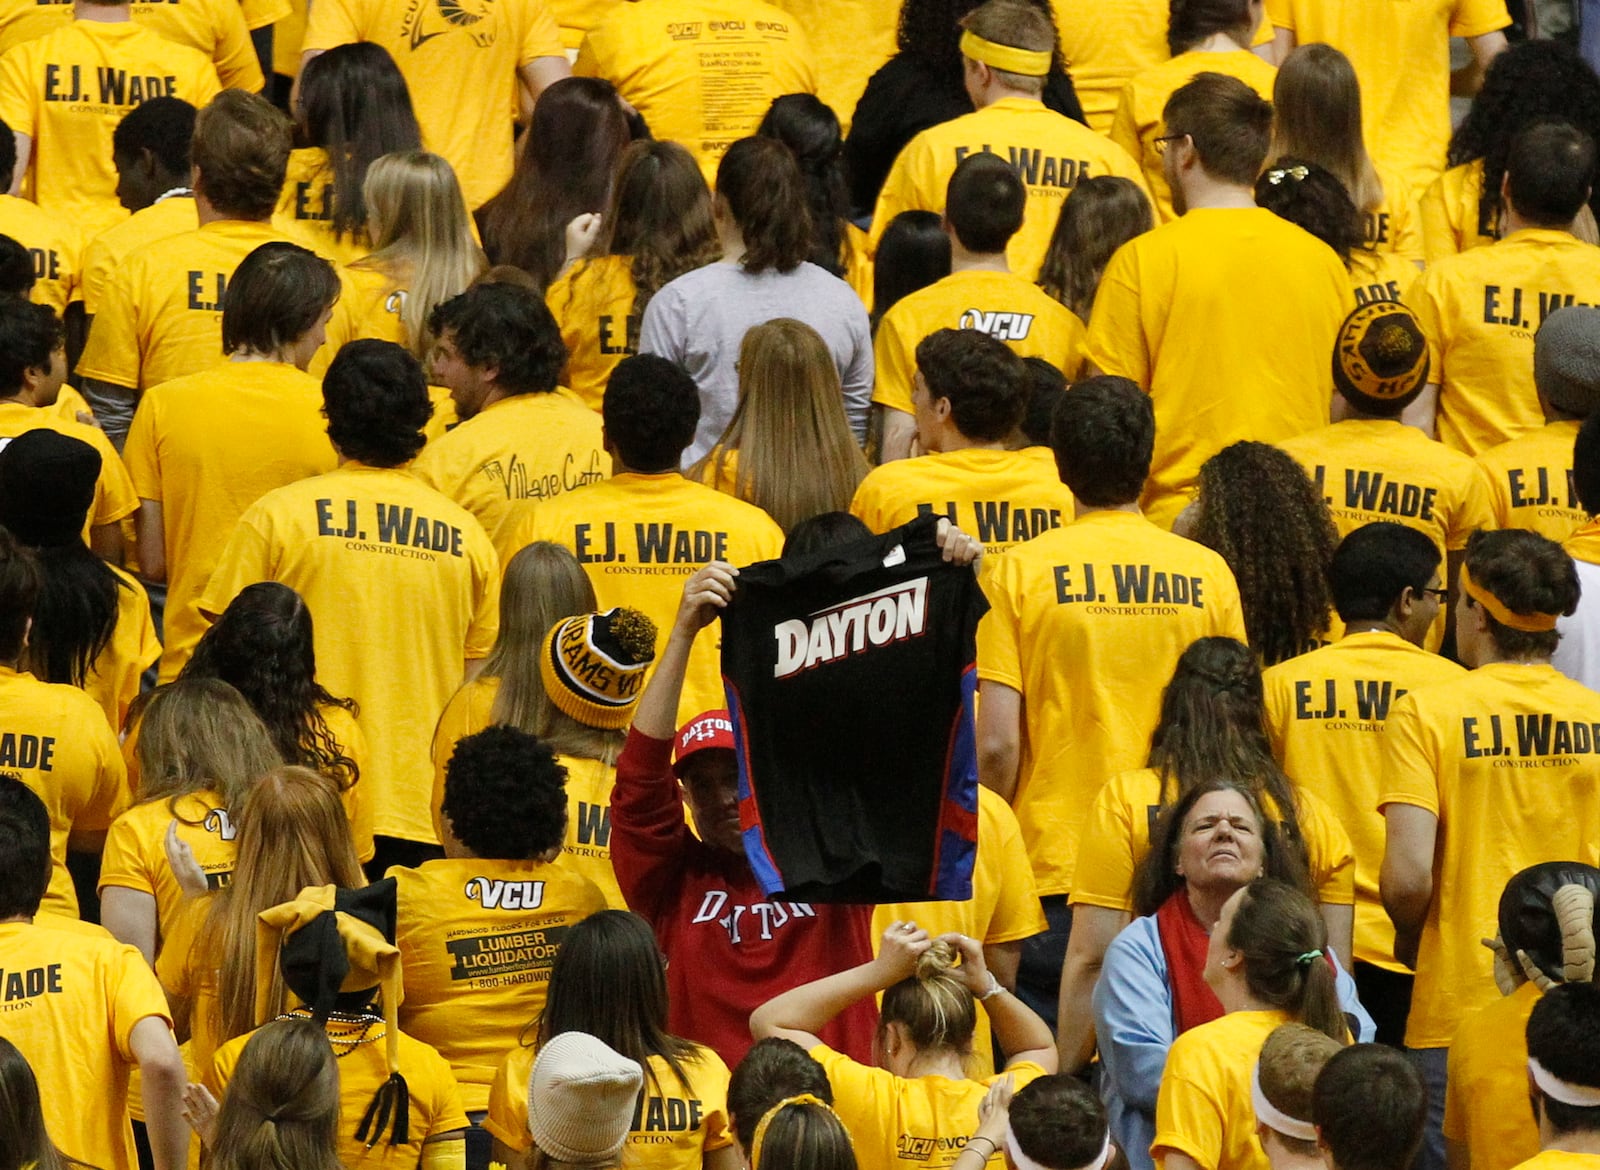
column 748, row 920
column 498, row 894
column 219, row 822
column 1003, row 326
column 1035, row 168
column 686, row 30
column 46, row 263
column 204, row 285
column 1541, row 741
column 1370, row 492
column 916, row 1148
column 20, row 750
column 1140, row 591
column 592, row 826
column 1367, row 294
column 1368, row 701
column 653, row 544
column 501, row 960
column 1504, row 306
column 872, row 620
column 629, row 341
column 29, row 983
column 401, row 531
column 305, row 208
column 106, row 86
column 519, row 483
column 996, row 523
column 663, row 1115
column 1530, row 488
column 426, row 19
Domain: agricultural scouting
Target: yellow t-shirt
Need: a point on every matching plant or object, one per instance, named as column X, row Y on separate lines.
column 136, row 852
column 1530, row 482
column 1326, row 714
column 215, row 27
column 205, row 448
column 1020, row 314
column 526, row 447
column 925, row 1120
column 114, row 497
column 1449, row 210
column 113, row 678
column 53, row 243
column 638, row 537
column 1137, row 123
column 306, row 207
column 105, row 253
column 674, row 1125
column 460, row 62
column 1106, row 44
column 587, row 846
column 1001, row 497
column 1004, row 906
column 701, row 72
column 1183, row 310
column 358, row 799
column 1050, row 151
column 1486, row 1099
column 593, row 305
column 373, row 549
column 852, row 40
column 1395, row 228
column 577, row 17
column 1506, row 758
column 1381, row 276
column 161, row 315
column 371, row 305
column 477, row 939
column 1083, row 619
column 68, row 89
column 435, row 1099
column 1116, row 838
column 54, row 739
column 1480, row 311
column 79, row 999
column 1204, row 1108
column 1561, row 1160
column 1401, row 55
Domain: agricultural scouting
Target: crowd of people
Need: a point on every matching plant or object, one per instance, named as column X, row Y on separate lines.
column 391, row 395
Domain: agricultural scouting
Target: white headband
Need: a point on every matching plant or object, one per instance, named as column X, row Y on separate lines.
column 1552, row 1086
column 1023, row 1162
column 1274, row 1118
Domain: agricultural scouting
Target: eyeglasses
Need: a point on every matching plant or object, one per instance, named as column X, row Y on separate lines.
column 1439, row 595
column 1161, row 142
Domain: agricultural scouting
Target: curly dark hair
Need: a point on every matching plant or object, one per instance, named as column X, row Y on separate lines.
column 376, row 400
column 1315, row 201
column 1529, row 82
column 1264, row 516
column 262, row 646
column 505, row 795
column 508, row 328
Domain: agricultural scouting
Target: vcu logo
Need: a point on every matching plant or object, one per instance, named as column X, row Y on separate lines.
column 888, row 615
column 1002, row 326
column 914, row 1149
column 495, row 894
column 684, row 30
column 219, row 822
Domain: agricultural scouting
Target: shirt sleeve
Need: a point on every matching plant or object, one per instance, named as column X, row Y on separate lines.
column 1227, row 611
column 1017, row 913
column 122, row 864
column 542, row 36
column 893, row 352
column 19, row 101
column 649, row 838
column 486, row 593
column 234, row 57
column 112, row 353
column 661, row 332
column 134, row 995
column 1473, row 511
column 110, row 796
column 448, row 1112
column 1281, row 13
column 115, row 497
column 1438, row 234
column 1124, row 125
column 1103, row 875
column 331, row 23
column 1329, row 852
column 897, row 194
column 857, row 375
column 139, row 451
column 1410, row 769
column 1116, row 330
column 999, row 655
column 1189, row 1120
column 205, row 84
column 1133, row 1016
column 507, row 1119
column 245, row 560
column 1473, row 18
column 1424, row 301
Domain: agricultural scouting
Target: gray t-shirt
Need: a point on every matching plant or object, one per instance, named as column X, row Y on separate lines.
column 700, row 319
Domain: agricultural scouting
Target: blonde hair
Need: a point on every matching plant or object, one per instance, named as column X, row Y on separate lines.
column 934, row 1005
column 1290, row 1061
column 293, row 833
column 543, row 585
column 1316, row 102
column 421, row 236
column 281, row 1109
column 198, row 734
column 797, row 455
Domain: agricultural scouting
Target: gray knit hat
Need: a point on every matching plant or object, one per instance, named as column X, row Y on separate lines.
column 581, row 1099
column 1566, row 359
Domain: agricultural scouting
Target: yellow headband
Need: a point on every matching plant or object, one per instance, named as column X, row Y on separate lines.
column 1028, row 62
column 1528, row 623
column 766, row 1118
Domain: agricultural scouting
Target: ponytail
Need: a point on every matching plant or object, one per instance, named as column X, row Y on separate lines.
column 1284, row 943
column 934, row 1005
column 766, row 194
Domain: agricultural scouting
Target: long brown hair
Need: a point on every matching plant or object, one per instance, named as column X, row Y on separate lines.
column 1316, row 102
column 293, row 833
column 797, row 457
column 24, row 1142
column 200, row 733
column 765, row 193
column 281, row 1110
column 1278, row 931
column 1104, row 213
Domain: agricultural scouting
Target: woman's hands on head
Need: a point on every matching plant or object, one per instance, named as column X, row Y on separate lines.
column 972, row 970
column 902, row 945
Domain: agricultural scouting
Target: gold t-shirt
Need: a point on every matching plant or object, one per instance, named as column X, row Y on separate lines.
column 53, row 243
column 1486, row 1097
column 306, row 207
column 105, row 253
column 593, row 303
column 1530, row 482
column 1107, row 43
column 1204, row 1109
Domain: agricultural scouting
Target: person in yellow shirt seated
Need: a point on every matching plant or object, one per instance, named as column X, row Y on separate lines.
column 1480, row 309
column 772, row 1071
column 1518, row 736
column 1530, row 480
column 203, row 448
column 984, row 208
column 1184, row 310
column 1546, row 938
column 1368, row 464
column 85, row 1011
column 970, row 392
column 639, row 534
column 1563, row 1054
column 920, row 1098
column 1326, row 713
column 501, row 895
column 521, row 437
column 161, row 315
column 1118, row 598
column 1006, row 53
column 369, row 546
column 150, row 149
column 1369, row 1108
column 1285, row 1077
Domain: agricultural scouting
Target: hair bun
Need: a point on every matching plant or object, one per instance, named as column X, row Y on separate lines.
column 937, row 961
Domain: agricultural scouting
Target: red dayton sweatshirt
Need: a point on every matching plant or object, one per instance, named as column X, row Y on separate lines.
column 729, row 949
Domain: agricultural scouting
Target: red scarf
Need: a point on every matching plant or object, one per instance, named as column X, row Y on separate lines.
column 1184, row 942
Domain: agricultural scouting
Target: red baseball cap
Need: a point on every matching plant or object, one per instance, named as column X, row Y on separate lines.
column 710, row 729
